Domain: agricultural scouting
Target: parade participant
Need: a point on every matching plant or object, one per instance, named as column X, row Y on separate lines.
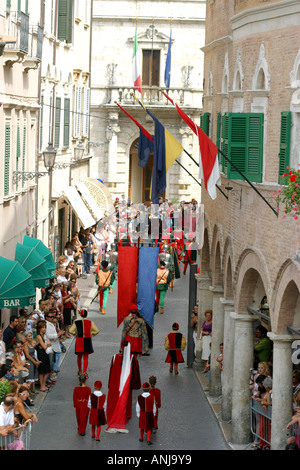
column 124, row 376
column 83, row 329
column 163, row 279
column 135, row 332
column 190, row 252
column 157, row 397
column 97, row 405
column 145, row 411
column 113, row 254
column 104, row 278
column 175, row 342
column 81, row 396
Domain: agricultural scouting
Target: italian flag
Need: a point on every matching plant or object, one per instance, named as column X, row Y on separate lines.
column 136, row 66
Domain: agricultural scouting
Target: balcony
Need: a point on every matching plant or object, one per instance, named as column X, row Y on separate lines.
column 152, row 96
column 29, row 41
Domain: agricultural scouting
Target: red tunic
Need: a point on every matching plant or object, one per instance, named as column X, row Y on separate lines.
column 174, row 354
column 83, row 340
column 80, row 402
column 146, row 419
column 157, row 397
column 97, row 415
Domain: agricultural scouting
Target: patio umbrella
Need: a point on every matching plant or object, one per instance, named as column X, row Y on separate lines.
column 16, row 285
column 34, row 264
column 44, row 252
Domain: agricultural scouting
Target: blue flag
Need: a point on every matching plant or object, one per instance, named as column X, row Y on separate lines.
column 148, row 260
column 146, row 147
column 159, row 178
column 168, row 65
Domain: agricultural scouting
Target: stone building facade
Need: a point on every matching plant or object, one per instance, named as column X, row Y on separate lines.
column 252, row 74
column 114, row 136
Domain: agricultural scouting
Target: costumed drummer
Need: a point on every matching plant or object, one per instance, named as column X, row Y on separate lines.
column 83, row 329
column 104, row 279
column 175, row 342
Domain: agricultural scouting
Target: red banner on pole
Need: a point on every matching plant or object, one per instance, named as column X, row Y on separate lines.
column 127, row 280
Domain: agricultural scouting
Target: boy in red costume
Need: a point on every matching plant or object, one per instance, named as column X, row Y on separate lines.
column 97, row 405
column 81, row 396
column 175, row 342
column 145, row 411
column 157, row 397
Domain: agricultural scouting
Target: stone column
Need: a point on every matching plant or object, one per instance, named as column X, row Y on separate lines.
column 243, row 361
column 282, row 388
column 112, row 134
column 205, row 297
column 227, row 375
column 215, row 387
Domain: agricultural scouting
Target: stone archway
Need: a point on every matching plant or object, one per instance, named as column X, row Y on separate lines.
column 286, row 299
column 205, row 254
column 216, row 257
column 228, row 270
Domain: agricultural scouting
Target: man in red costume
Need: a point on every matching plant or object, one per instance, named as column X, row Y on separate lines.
column 145, row 411
column 124, row 376
column 83, row 329
column 175, row 342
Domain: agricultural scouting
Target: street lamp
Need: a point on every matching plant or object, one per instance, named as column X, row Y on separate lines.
column 49, row 156
column 79, row 151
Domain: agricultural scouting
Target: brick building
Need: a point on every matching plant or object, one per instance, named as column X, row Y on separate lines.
column 252, row 111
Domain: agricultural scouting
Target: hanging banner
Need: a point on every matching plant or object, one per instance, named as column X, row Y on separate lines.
column 148, row 261
column 127, row 280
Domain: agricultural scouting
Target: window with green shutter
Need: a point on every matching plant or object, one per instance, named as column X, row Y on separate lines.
column 65, row 20
column 57, row 122
column 285, row 143
column 7, row 160
column 242, row 143
column 205, row 123
column 67, row 122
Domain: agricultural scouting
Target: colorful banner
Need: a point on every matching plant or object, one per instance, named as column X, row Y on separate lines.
column 148, row 261
column 127, row 279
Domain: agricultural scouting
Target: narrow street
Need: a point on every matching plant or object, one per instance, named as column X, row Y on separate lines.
column 186, row 421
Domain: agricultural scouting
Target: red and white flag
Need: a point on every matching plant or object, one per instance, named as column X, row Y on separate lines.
column 137, row 80
column 209, row 169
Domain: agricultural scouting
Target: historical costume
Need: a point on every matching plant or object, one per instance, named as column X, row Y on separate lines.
column 83, row 329
column 163, row 279
column 81, row 396
column 175, row 342
column 104, row 280
column 190, row 252
column 135, row 332
column 145, row 411
column 97, row 405
column 157, row 397
column 124, row 376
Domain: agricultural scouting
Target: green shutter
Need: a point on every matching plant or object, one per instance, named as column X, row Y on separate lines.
column 65, row 20
column 67, row 122
column 57, row 122
column 285, row 143
column 224, row 141
column 204, row 122
column 7, row 160
column 18, row 153
column 245, row 145
column 8, row 6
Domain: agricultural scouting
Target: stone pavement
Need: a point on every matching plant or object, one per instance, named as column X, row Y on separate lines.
column 186, row 421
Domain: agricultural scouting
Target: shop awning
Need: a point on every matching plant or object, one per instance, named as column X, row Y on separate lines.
column 16, row 285
column 101, row 194
column 89, row 201
column 44, row 252
column 82, row 212
column 34, row 264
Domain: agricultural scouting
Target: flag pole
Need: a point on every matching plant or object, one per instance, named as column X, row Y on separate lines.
column 218, row 187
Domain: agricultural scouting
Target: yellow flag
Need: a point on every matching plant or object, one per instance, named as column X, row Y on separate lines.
column 173, row 149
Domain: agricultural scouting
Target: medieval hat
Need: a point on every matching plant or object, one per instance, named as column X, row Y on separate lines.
column 98, row 384
column 146, row 386
column 175, row 326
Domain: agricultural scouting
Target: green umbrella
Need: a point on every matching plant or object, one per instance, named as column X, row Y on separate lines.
column 34, row 264
column 44, row 252
column 16, row 285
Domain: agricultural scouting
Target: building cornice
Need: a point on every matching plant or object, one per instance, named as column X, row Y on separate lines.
column 148, row 19
column 216, row 43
